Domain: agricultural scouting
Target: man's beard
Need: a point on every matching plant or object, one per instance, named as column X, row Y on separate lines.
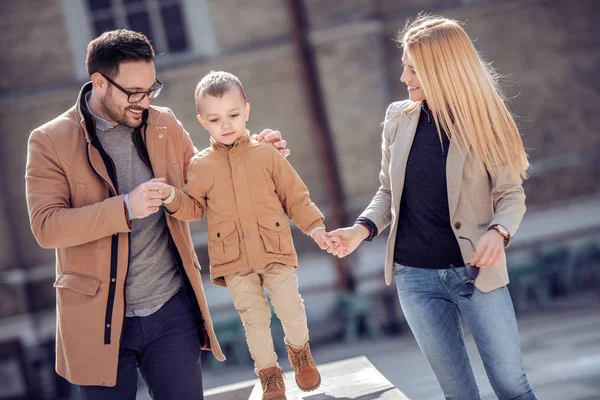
column 120, row 117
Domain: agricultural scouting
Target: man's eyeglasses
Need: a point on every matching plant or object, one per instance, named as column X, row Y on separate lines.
column 136, row 97
column 471, row 272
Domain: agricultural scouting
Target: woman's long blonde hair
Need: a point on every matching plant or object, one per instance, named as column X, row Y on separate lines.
column 462, row 92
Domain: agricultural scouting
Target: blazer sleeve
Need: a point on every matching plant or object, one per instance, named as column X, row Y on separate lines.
column 379, row 211
column 509, row 201
column 54, row 222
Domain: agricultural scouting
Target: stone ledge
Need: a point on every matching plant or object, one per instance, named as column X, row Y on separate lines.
column 354, row 378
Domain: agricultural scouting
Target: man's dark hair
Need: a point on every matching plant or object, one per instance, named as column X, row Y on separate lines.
column 109, row 50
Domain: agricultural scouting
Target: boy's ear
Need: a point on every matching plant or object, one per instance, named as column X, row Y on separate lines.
column 247, row 112
column 202, row 121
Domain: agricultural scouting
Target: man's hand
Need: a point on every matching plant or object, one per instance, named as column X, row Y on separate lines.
column 349, row 238
column 488, row 250
column 273, row 137
column 145, row 199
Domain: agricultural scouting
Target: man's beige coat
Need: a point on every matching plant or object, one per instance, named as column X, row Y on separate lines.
column 75, row 209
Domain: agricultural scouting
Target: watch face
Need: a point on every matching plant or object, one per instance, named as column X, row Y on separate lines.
column 502, row 230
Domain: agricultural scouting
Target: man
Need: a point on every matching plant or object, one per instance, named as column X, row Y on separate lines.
column 129, row 291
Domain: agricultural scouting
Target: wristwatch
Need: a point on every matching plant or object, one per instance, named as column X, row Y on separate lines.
column 502, row 231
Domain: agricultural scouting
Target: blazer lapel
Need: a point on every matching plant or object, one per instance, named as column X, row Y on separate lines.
column 454, row 171
column 400, row 149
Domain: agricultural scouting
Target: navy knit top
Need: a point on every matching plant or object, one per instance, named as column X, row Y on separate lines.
column 425, row 238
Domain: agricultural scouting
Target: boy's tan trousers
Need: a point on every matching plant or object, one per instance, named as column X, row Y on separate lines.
column 247, row 292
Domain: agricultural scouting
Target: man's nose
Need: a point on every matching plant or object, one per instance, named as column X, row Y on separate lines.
column 145, row 102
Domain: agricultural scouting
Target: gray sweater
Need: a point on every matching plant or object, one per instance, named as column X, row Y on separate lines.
column 153, row 277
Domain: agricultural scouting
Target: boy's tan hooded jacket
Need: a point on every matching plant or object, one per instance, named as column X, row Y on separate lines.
column 247, row 189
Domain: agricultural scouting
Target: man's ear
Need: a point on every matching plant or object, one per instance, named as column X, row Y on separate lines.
column 202, row 121
column 99, row 83
column 247, row 112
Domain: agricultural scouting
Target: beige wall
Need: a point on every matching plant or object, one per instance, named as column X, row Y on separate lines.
column 548, row 52
column 34, row 43
column 18, row 117
column 7, row 258
column 548, row 47
column 240, row 24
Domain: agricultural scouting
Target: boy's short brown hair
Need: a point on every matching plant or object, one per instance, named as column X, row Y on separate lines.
column 215, row 84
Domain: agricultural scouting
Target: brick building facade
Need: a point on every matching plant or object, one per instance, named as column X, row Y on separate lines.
column 550, row 49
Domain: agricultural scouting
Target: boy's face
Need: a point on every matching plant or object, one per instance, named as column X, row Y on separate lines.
column 224, row 117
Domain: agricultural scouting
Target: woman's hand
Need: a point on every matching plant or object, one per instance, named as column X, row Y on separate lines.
column 489, row 250
column 273, row 137
column 349, row 239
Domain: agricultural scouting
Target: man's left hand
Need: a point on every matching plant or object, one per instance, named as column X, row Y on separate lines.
column 273, row 137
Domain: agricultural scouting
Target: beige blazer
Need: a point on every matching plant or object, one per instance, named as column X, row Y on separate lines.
column 476, row 198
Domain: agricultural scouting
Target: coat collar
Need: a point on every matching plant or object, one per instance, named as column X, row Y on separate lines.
column 240, row 142
column 149, row 139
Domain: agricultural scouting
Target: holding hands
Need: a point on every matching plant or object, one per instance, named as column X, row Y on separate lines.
column 341, row 242
column 145, row 199
column 347, row 239
column 322, row 240
column 165, row 191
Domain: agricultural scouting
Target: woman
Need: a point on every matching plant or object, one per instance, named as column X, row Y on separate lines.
column 452, row 169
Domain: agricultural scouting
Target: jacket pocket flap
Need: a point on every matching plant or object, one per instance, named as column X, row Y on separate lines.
column 221, row 231
column 87, row 285
column 273, row 223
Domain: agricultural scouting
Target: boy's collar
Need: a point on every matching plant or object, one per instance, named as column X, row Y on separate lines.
column 242, row 140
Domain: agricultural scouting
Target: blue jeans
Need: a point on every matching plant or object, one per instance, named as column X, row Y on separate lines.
column 433, row 309
column 166, row 348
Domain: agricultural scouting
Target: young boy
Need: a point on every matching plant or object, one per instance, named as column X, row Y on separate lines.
column 247, row 189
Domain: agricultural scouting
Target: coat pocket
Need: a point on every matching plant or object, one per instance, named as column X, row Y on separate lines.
column 276, row 234
column 223, row 243
column 83, row 284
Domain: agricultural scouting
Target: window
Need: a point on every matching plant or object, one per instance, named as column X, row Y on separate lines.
column 177, row 29
column 160, row 20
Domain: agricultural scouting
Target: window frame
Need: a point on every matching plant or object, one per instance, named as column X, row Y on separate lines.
column 195, row 13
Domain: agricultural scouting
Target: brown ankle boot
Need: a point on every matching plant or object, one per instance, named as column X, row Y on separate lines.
column 271, row 380
column 307, row 375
